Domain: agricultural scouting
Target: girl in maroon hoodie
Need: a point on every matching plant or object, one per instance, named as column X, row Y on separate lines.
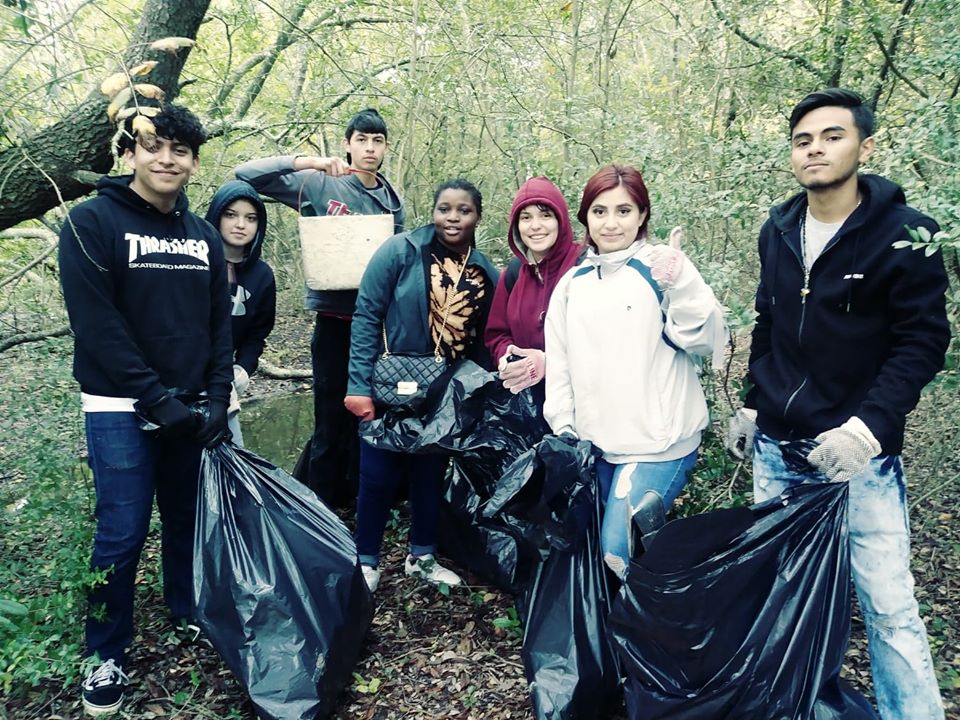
column 542, row 240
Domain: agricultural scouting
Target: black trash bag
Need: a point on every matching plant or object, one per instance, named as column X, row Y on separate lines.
column 471, row 414
column 484, row 546
column 484, row 427
column 277, row 588
column 548, row 496
column 742, row 613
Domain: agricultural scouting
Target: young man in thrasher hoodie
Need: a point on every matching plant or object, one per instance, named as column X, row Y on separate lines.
column 145, row 285
column 329, row 186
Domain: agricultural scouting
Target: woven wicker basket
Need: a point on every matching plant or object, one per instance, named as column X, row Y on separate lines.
column 337, row 248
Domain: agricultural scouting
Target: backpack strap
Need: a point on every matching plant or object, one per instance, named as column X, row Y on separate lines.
column 648, row 276
column 511, row 274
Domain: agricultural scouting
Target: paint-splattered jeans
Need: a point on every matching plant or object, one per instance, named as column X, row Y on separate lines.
column 623, row 486
column 903, row 676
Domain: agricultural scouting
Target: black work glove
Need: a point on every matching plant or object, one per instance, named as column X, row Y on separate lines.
column 214, row 429
column 172, row 417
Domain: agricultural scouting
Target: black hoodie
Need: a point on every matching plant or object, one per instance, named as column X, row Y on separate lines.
column 871, row 333
column 254, row 294
column 147, row 296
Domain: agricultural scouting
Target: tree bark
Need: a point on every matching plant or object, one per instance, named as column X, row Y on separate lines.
column 38, row 173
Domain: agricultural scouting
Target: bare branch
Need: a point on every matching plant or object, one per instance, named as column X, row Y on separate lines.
column 890, row 52
column 760, row 45
column 37, row 233
column 21, row 338
column 279, row 373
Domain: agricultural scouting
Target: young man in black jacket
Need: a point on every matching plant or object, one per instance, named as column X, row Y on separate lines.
column 849, row 329
column 145, row 285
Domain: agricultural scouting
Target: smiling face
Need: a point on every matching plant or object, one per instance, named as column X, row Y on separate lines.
column 160, row 174
column 238, row 224
column 366, row 150
column 538, row 228
column 614, row 220
column 826, row 149
column 455, row 217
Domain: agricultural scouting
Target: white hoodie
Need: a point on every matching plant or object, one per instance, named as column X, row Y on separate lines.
column 612, row 376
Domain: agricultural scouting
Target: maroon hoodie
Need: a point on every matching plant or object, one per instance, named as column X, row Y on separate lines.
column 516, row 316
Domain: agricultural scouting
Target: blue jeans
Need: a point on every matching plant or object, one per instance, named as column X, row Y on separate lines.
column 381, row 473
column 128, row 466
column 623, row 486
column 903, row 676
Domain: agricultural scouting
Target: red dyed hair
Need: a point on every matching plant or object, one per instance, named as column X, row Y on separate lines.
column 608, row 178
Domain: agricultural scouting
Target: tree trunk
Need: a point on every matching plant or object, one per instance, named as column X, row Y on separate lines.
column 37, row 174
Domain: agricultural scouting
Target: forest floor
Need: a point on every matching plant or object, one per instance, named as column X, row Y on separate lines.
column 430, row 655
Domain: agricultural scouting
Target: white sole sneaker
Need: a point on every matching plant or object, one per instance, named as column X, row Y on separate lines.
column 428, row 569
column 372, row 577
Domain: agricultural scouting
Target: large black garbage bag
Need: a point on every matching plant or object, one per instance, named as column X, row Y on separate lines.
column 483, row 427
column 483, row 546
column 742, row 613
column 548, row 496
column 277, row 588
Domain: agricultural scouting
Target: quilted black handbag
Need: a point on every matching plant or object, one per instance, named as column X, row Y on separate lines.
column 401, row 380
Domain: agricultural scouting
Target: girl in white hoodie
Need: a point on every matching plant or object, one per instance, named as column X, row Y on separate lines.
column 621, row 332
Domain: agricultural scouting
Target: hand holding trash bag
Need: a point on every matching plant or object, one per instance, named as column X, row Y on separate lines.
column 526, row 370
column 844, row 451
column 213, row 430
column 361, row 406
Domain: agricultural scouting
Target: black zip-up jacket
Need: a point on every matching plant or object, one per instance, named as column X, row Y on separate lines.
column 871, row 333
column 147, row 297
column 254, row 295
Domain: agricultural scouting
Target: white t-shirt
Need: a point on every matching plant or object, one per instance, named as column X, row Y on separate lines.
column 818, row 234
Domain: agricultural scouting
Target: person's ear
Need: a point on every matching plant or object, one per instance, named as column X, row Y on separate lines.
column 129, row 158
column 867, row 146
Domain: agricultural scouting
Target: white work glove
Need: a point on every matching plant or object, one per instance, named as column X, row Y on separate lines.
column 740, row 432
column 525, row 372
column 666, row 261
column 844, row 451
column 234, row 405
column 241, row 380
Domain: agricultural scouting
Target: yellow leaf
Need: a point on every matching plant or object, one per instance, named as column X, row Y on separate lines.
column 145, row 132
column 149, row 111
column 119, row 100
column 114, row 84
column 125, row 113
column 149, row 91
column 172, row 44
column 143, row 68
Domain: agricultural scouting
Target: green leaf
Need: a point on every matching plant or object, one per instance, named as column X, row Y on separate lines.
column 900, row 244
column 12, row 608
column 923, row 233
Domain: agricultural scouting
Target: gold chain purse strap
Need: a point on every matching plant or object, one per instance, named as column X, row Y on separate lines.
column 438, row 358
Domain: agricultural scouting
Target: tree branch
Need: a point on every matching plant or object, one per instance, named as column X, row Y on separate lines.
column 760, row 45
column 30, row 233
column 279, row 373
column 889, row 53
column 82, row 138
column 21, row 338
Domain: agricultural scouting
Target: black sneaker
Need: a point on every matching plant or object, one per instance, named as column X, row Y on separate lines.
column 103, row 689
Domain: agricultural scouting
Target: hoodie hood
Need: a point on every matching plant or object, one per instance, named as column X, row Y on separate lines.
column 229, row 192
column 877, row 194
column 540, row 191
